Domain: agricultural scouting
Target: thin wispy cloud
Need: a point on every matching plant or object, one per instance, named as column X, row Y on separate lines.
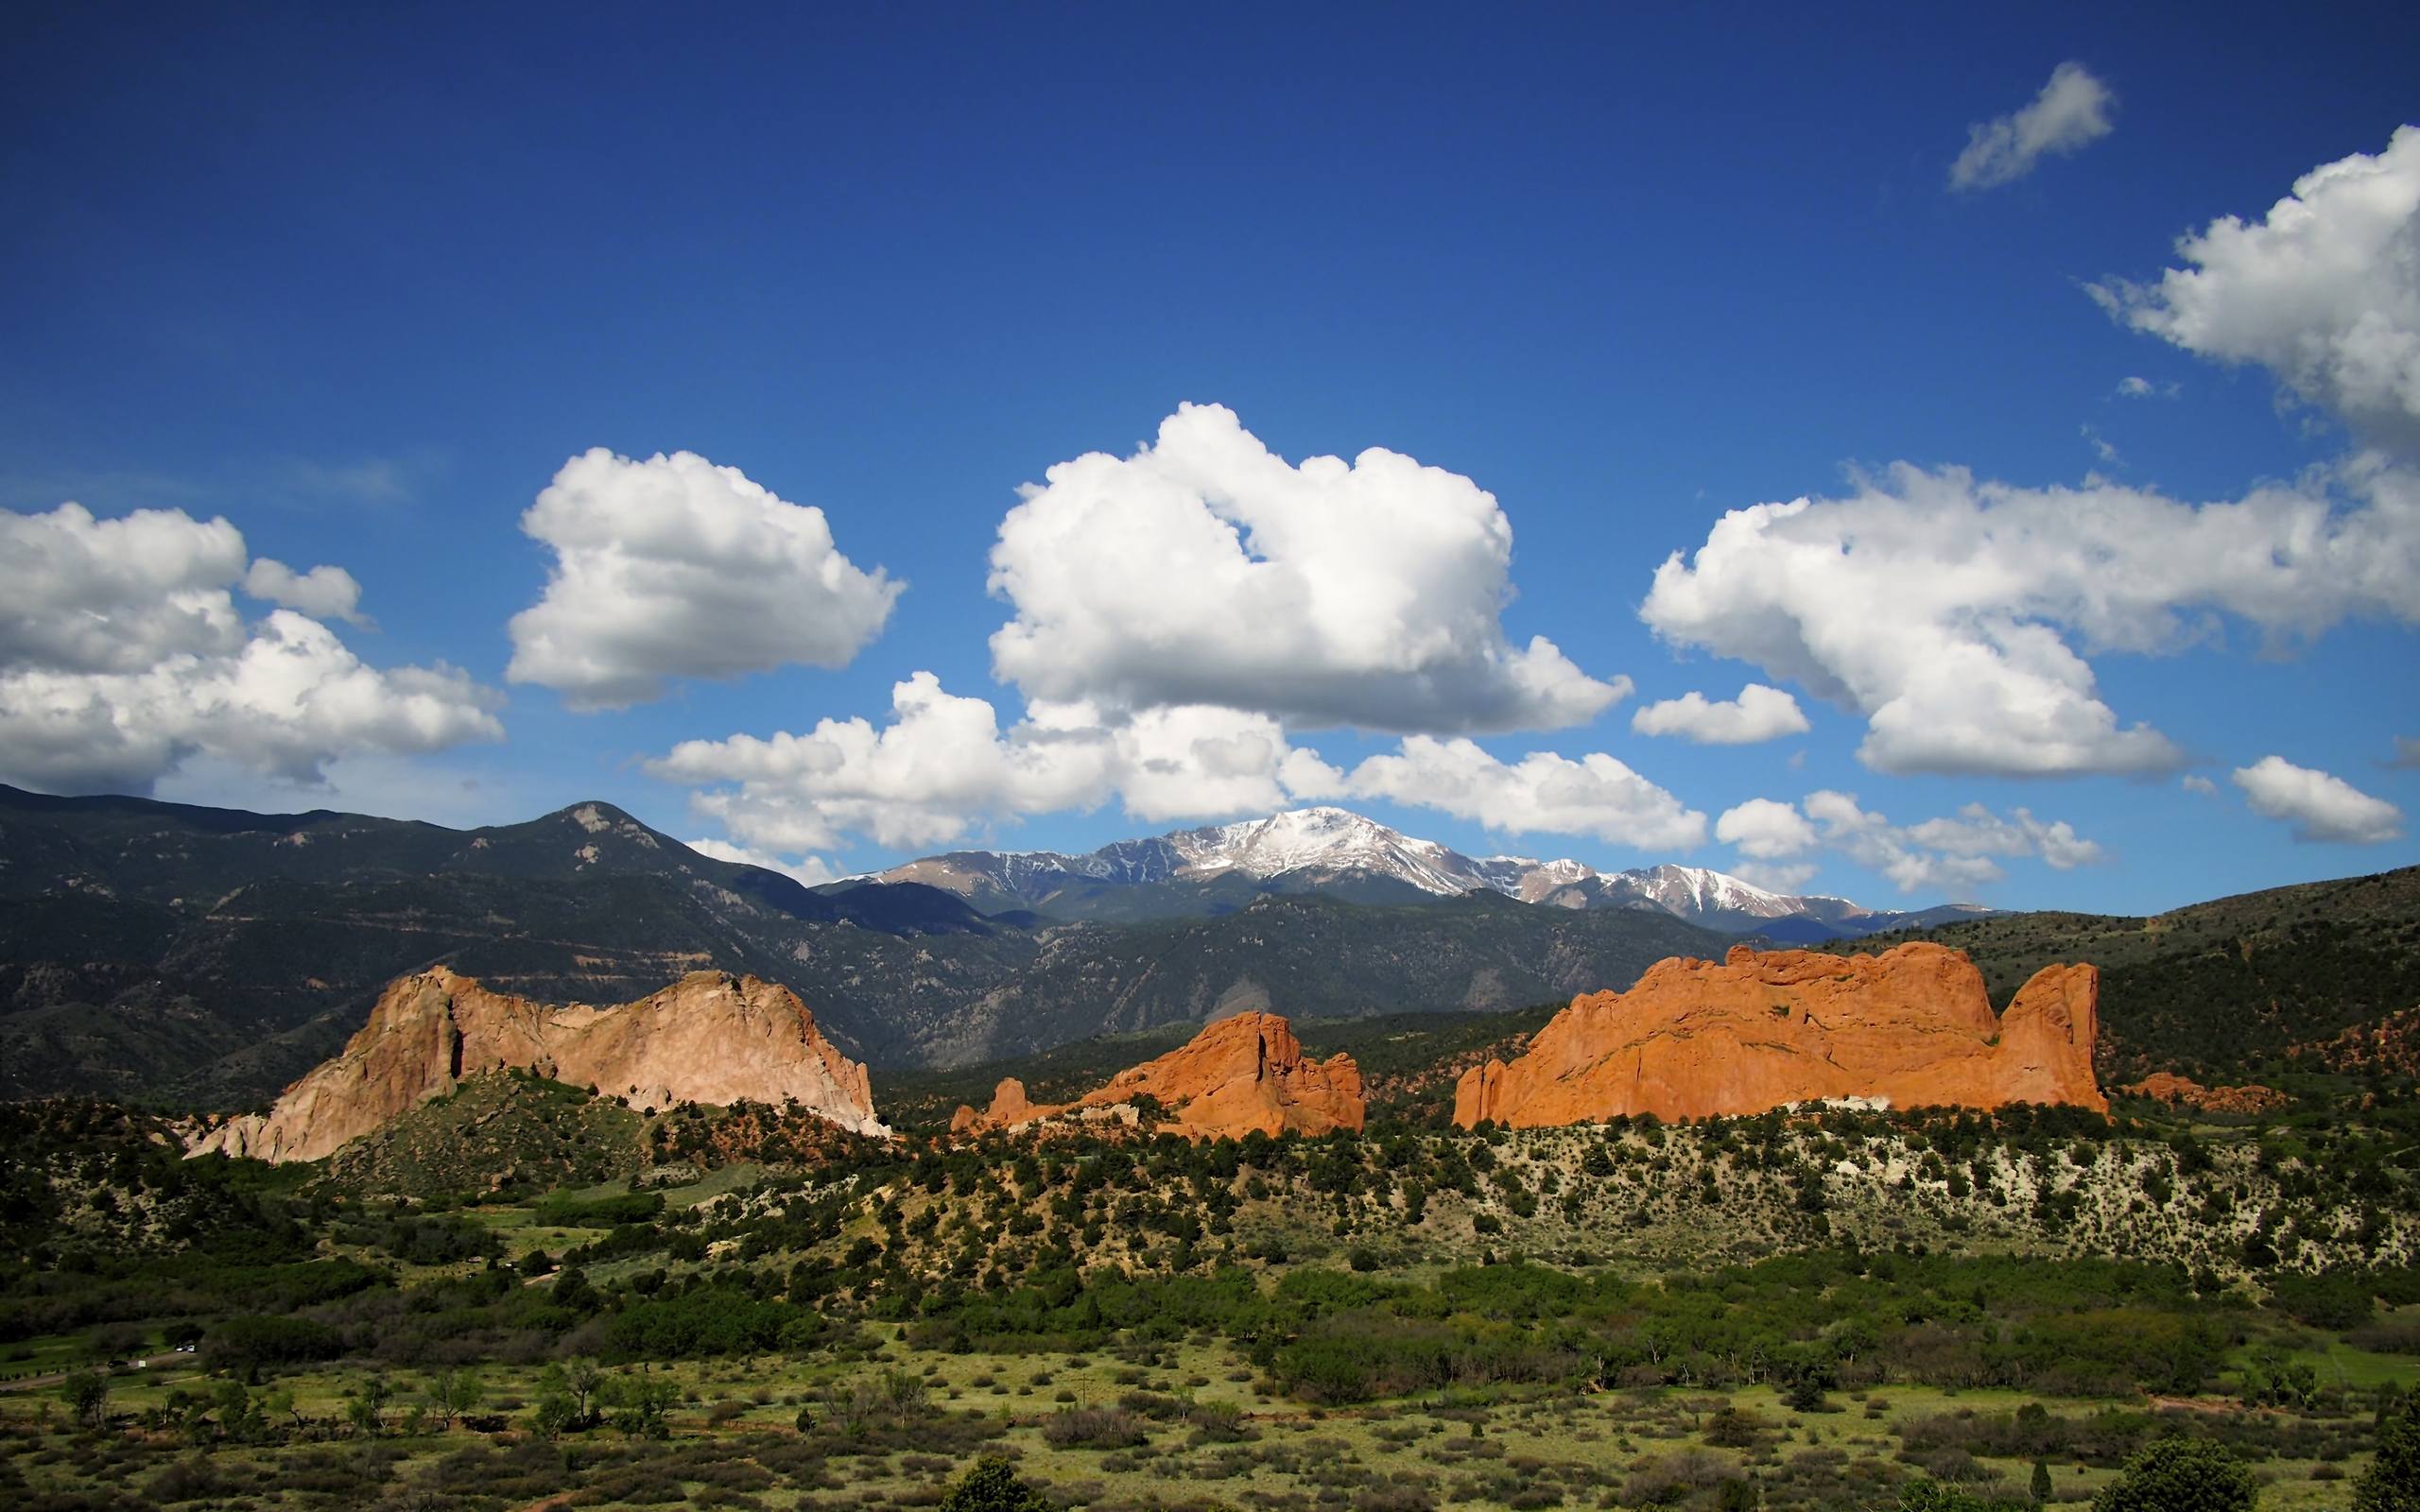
column 2133, row 387
column 2070, row 114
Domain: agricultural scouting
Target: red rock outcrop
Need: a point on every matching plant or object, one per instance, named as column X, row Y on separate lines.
column 1694, row 1039
column 2168, row 1087
column 709, row 1038
column 1236, row 1075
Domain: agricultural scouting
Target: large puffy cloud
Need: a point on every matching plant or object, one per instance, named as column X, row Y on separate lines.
column 1942, row 608
column 1963, row 850
column 1758, row 714
column 1204, row 570
column 82, row 595
column 2070, row 114
column 943, row 768
column 2324, row 291
column 122, row 655
column 674, row 567
column 927, row 777
column 1542, row 793
column 2319, row 806
column 1200, row 761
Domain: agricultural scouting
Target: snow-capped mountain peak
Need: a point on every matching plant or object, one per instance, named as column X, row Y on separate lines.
column 1696, row 890
column 1312, row 848
column 1321, row 839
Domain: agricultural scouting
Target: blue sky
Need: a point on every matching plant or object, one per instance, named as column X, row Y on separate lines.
column 363, row 284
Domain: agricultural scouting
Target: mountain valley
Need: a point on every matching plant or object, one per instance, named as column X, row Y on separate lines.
column 1069, row 1230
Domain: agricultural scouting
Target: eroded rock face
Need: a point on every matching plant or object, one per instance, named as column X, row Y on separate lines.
column 1236, row 1075
column 2168, row 1087
column 709, row 1038
column 1695, row 1039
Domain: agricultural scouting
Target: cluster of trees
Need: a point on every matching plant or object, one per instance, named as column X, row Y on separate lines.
column 1804, row 1322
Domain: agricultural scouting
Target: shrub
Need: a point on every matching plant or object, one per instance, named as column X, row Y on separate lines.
column 187, row 1480
column 1671, row 1478
column 1931, row 1496
column 2337, row 1301
column 1095, row 1428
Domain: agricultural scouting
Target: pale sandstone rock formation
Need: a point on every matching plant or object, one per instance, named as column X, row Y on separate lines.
column 1236, row 1075
column 1762, row 1030
column 709, row 1038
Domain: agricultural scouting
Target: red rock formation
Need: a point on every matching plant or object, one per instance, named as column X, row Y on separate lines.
column 1237, row 1074
column 709, row 1038
column 2168, row 1087
column 1694, row 1039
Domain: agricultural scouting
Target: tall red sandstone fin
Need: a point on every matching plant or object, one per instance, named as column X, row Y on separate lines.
column 1764, row 1029
column 1011, row 1107
column 2047, row 1034
column 1238, row 1074
column 709, row 1038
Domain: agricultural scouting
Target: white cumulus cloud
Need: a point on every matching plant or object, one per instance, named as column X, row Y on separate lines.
column 1963, row 850
column 1785, row 877
column 943, row 768
column 2320, row 807
column 2195, row 784
column 933, row 772
column 1977, row 831
column 1764, row 830
column 1758, row 714
column 1542, row 793
column 1204, row 570
column 123, row 655
column 82, row 595
column 674, row 567
column 812, row 871
column 323, row 593
column 2070, row 114
column 2324, row 291
column 1949, row 612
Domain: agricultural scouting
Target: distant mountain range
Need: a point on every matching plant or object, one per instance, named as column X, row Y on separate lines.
column 208, row 955
column 205, row 957
column 1206, row 872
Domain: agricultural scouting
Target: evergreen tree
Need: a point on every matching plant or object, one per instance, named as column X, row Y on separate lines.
column 993, row 1486
column 2181, row 1475
column 2392, row 1483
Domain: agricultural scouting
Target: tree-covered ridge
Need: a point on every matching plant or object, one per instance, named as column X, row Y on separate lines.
column 2234, row 989
column 1407, row 1062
